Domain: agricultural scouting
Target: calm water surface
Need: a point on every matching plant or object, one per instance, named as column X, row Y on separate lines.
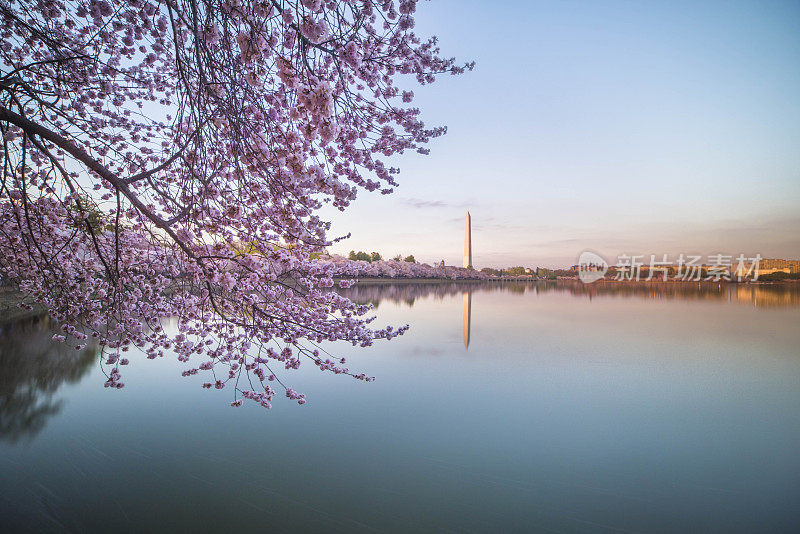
column 608, row 408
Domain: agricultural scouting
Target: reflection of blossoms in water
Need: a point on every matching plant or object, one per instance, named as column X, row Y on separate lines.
column 370, row 292
column 33, row 367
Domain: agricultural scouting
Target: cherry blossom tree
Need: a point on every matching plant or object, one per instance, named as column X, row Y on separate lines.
column 168, row 159
column 401, row 269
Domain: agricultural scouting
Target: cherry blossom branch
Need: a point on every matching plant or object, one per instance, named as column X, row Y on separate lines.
column 92, row 164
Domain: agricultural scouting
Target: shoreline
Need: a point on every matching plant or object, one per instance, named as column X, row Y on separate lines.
column 11, row 296
column 377, row 280
column 368, row 281
column 10, row 312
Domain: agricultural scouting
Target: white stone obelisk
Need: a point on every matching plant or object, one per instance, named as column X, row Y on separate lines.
column 467, row 241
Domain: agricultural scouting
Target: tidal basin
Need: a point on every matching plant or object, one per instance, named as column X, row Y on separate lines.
column 514, row 407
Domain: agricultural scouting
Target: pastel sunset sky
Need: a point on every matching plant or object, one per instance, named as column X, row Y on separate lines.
column 620, row 127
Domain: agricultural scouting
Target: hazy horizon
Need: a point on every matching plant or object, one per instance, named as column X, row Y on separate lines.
column 621, row 128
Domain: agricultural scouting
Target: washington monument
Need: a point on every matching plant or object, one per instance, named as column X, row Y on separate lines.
column 467, row 242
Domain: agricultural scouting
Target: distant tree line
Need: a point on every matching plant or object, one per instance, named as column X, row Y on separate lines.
column 510, row 271
column 777, row 276
column 376, row 256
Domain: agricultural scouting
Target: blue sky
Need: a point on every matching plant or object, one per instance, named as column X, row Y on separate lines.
column 620, row 127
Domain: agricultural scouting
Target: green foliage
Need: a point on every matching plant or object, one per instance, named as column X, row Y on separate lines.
column 359, row 256
column 89, row 215
column 514, row 271
column 363, row 256
column 376, row 256
column 777, row 276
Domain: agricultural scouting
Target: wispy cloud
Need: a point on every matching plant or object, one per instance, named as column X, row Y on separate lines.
column 419, row 203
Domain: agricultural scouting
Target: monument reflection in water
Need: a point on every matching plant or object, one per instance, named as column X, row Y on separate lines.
column 755, row 295
column 467, row 298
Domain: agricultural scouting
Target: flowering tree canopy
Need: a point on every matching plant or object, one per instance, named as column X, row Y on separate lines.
column 168, row 158
column 401, row 269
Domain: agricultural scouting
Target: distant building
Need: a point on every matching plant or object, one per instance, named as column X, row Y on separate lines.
column 767, row 265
